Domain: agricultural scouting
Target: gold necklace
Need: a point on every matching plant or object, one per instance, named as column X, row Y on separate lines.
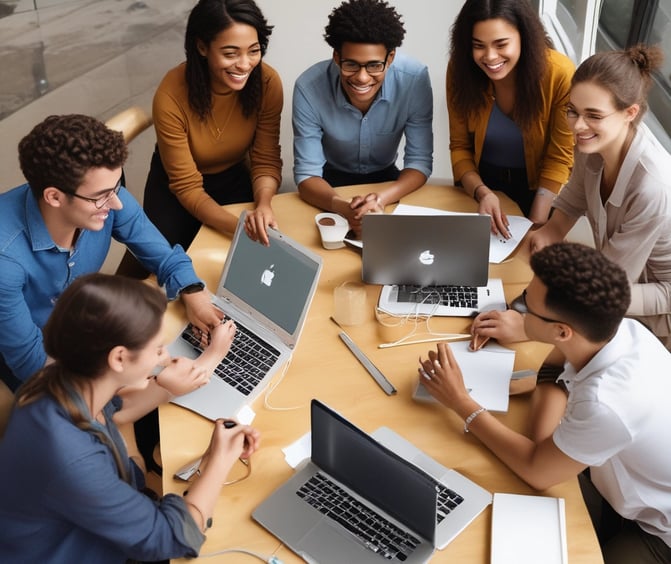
column 216, row 131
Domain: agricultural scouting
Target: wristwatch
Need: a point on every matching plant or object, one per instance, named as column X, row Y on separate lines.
column 192, row 288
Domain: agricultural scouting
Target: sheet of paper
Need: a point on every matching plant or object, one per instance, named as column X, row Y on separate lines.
column 499, row 247
column 528, row 529
column 486, row 374
column 298, row 451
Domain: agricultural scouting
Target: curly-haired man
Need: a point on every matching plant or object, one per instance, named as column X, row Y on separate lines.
column 60, row 225
column 350, row 113
column 603, row 413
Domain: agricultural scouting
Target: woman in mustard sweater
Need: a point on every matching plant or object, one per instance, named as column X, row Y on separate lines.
column 507, row 91
column 217, row 120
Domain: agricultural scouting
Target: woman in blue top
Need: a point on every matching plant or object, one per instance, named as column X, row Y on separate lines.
column 69, row 491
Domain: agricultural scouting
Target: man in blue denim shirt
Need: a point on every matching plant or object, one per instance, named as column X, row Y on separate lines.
column 60, row 225
column 350, row 113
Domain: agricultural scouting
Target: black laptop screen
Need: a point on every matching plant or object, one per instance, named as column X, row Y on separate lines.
column 355, row 459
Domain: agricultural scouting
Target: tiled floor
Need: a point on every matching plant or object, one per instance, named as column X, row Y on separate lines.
column 96, row 57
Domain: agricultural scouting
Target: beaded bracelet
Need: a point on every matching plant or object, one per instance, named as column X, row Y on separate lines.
column 472, row 416
column 207, row 523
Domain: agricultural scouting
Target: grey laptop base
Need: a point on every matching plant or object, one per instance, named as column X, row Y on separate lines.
column 427, row 302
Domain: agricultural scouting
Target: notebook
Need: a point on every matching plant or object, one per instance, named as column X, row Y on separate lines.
column 389, row 511
column 267, row 292
column 430, row 265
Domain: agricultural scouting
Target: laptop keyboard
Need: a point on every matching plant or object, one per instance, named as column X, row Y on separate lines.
column 376, row 532
column 247, row 362
column 450, row 296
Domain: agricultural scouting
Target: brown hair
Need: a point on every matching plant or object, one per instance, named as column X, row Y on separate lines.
column 626, row 74
column 60, row 150
column 96, row 313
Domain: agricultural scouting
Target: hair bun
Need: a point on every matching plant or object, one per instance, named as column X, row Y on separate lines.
column 646, row 58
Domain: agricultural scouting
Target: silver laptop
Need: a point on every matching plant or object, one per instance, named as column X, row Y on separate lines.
column 430, row 264
column 267, row 292
column 356, row 500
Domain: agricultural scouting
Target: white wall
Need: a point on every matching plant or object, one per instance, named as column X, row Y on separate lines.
column 297, row 42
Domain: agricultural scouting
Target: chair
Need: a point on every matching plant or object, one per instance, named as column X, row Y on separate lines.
column 6, row 403
column 131, row 122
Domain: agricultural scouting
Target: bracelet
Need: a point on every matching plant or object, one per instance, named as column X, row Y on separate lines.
column 207, row 523
column 471, row 417
column 475, row 191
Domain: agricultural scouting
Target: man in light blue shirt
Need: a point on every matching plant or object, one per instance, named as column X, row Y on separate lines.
column 350, row 113
column 60, row 225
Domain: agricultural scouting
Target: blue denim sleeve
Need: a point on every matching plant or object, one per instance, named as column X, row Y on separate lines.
column 419, row 127
column 309, row 156
column 89, row 494
column 172, row 266
column 21, row 344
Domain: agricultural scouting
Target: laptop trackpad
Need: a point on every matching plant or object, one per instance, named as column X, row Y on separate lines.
column 325, row 544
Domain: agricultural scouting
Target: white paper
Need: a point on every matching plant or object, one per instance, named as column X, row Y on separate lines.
column 528, row 529
column 486, row 374
column 499, row 247
column 245, row 415
column 298, row 451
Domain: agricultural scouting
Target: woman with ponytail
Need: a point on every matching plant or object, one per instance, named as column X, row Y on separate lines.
column 621, row 181
column 69, row 491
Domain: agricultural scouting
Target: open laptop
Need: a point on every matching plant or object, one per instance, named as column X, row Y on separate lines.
column 356, row 500
column 430, row 264
column 267, row 292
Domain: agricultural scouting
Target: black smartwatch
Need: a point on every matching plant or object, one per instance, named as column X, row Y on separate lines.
column 192, row 288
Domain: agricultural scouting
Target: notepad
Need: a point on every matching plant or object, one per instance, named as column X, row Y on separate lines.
column 528, row 529
column 486, row 374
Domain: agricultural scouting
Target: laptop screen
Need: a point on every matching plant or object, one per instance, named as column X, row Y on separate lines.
column 274, row 280
column 355, row 459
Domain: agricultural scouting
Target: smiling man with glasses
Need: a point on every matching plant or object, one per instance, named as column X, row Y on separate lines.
column 601, row 406
column 59, row 226
column 351, row 112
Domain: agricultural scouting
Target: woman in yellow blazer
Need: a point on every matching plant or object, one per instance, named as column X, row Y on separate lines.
column 507, row 91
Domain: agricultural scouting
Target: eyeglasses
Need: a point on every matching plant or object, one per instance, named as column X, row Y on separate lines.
column 100, row 201
column 372, row 67
column 519, row 304
column 589, row 118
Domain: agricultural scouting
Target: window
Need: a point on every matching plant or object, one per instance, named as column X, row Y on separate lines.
column 582, row 27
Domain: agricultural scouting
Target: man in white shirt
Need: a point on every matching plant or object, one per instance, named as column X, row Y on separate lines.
column 601, row 406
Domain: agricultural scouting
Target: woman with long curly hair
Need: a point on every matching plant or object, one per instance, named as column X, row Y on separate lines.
column 507, row 90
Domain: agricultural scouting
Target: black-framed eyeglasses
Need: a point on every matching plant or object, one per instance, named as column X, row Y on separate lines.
column 372, row 67
column 519, row 304
column 105, row 197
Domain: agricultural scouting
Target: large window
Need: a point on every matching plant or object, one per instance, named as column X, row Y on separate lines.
column 582, row 27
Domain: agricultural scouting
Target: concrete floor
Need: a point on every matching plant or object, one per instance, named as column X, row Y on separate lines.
column 95, row 57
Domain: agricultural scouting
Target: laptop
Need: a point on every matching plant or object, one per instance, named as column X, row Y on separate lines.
column 267, row 292
column 356, row 500
column 430, row 264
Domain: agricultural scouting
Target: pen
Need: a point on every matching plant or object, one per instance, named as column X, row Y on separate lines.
column 385, row 384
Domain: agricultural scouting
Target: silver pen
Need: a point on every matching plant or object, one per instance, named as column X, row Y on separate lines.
column 373, row 370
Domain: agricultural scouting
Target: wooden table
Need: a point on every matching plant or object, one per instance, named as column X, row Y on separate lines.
column 323, row 368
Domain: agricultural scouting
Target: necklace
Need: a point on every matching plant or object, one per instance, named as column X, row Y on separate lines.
column 214, row 127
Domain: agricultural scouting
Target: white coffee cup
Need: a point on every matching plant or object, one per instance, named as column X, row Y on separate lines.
column 332, row 228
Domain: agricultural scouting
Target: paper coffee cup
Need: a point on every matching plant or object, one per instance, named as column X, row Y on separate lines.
column 332, row 229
